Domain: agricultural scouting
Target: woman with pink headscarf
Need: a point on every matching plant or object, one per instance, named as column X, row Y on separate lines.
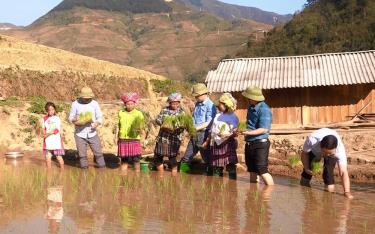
column 130, row 124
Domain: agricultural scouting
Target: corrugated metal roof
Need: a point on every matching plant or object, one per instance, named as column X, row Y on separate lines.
column 294, row 71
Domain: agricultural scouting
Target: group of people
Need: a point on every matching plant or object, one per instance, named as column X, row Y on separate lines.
column 217, row 130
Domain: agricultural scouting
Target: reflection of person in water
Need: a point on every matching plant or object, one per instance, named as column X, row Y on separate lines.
column 257, row 209
column 55, row 210
column 330, row 212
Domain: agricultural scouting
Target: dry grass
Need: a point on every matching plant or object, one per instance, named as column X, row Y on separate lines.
column 25, row 55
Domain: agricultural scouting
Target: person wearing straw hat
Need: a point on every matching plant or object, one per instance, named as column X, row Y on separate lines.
column 203, row 114
column 86, row 115
column 258, row 121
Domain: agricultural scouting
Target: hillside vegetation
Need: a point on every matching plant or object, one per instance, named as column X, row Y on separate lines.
column 323, row 26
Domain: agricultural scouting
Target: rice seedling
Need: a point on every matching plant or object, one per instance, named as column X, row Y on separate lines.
column 185, row 121
column 242, row 127
column 294, row 161
column 222, row 129
column 316, row 166
column 137, row 125
column 85, row 117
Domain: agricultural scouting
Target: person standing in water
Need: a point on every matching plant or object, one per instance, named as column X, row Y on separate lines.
column 325, row 143
column 258, row 123
column 52, row 144
column 223, row 143
column 130, row 125
column 203, row 115
column 86, row 115
column 168, row 142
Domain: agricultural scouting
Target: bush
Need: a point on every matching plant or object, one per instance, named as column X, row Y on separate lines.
column 37, row 105
column 167, row 87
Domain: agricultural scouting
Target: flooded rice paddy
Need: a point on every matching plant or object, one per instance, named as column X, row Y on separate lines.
column 34, row 200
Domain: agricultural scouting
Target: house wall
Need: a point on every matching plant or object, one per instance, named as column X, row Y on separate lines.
column 317, row 105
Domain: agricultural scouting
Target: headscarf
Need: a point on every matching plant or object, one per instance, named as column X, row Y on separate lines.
column 127, row 97
column 174, row 97
column 229, row 101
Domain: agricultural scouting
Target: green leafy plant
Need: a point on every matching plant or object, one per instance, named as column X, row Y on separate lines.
column 37, row 104
column 11, row 101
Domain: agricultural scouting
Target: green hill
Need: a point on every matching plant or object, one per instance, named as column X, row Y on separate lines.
column 323, row 26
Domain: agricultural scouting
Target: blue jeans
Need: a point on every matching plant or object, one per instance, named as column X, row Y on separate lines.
column 193, row 148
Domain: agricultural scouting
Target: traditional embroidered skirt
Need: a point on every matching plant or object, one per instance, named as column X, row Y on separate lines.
column 129, row 148
column 58, row 152
column 223, row 154
column 167, row 144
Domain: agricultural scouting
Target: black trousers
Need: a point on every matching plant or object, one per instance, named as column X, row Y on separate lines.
column 256, row 156
column 328, row 169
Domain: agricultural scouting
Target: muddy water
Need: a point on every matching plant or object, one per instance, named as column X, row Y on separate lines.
column 104, row 201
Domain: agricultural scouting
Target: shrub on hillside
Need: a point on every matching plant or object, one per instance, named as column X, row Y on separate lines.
column 167, row 87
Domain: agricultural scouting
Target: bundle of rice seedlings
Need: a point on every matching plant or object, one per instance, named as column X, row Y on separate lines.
column 294, row 161
column 170, row 122
column 222, row 129
column 137, row 126
column 85, row 117
column 242, row 127
column 174, row 122
column 186, row 121
column 316, row 166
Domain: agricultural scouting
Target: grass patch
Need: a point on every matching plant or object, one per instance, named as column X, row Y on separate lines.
column 11, row 102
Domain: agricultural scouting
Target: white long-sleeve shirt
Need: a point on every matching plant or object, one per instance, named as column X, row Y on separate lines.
column 86, row 131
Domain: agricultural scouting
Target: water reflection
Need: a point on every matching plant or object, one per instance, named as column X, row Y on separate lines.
column 55, row 210
column 329, row 210
column 96, row 201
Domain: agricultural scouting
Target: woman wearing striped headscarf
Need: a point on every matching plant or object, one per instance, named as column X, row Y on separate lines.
column 168, row 142
column 130, row 124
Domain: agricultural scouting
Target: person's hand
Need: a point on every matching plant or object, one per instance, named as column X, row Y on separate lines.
column 348, row 195
column 95, row 125
column 55, row 131
column 308, row 171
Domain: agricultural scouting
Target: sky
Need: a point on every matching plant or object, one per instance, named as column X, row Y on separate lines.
column 24, row 12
